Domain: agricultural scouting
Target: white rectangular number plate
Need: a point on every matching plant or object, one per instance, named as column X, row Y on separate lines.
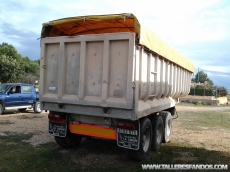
column 128, row 138
column 57, row 129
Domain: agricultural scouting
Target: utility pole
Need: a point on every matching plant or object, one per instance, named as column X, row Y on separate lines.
column 216, row 91
column 198, row 76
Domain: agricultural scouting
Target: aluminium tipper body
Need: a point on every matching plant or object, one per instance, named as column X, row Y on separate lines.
column 85, row 72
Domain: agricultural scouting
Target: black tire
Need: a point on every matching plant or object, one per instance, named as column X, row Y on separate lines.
column 145, row 141
column 22, row 110
column 37, row 107
column 1, row 109
column 167, row 119
column 158, row 127
column 70, row 141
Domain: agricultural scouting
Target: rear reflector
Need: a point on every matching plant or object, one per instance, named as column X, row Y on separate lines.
column 57, row 119
column 93, row 130
column 126, row 126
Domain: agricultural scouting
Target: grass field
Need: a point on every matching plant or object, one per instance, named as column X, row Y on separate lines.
column 195, row 120
column 101, row 155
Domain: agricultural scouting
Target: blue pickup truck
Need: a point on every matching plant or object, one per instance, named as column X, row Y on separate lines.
column 19, row 96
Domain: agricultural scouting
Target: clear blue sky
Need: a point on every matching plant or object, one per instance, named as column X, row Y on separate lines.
column 198, row 29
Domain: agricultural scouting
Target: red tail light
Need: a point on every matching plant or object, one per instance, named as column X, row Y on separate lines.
column 126, row 126
column 56, row 118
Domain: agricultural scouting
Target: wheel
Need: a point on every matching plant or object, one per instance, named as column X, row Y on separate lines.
column 37, row 107
column 158, row 127
column 167, row 119
column 22, row 110
column 145, row 141
column 70, row 141
column 1, row 109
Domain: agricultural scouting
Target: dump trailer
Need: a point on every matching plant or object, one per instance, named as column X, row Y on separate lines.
column 107, row 76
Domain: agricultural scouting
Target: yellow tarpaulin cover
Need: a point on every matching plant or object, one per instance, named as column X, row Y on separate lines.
column 113, row 23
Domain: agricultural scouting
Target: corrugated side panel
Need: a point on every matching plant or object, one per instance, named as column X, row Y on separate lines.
column 95, row 70
column 158, row 82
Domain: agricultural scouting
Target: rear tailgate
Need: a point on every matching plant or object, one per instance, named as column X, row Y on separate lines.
column 91, row 70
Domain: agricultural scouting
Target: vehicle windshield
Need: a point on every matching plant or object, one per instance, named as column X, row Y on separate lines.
column 4, row 88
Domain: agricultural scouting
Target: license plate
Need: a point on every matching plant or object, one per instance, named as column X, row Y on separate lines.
column 57, row 129
column 128, row 138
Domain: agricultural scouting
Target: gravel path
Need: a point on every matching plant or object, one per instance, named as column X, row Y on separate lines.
column 16, row 122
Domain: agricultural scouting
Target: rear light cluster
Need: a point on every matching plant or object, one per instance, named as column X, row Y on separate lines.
column 127, row 126
column 57, row 118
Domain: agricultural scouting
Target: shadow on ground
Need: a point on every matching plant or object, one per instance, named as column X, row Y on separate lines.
column 95, row 155
column 102, row 155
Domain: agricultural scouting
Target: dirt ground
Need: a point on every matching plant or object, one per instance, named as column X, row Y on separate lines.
column 209, row 138
column 212, row 139
column 16, row 122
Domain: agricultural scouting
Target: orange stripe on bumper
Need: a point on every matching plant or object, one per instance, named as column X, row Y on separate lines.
column 93, row 130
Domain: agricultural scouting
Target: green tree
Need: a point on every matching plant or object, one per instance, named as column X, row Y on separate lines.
column 202, row 77
column 193, row 80
column 32, row 69
column 15, row 68
column 10, row 51
column 10, row 70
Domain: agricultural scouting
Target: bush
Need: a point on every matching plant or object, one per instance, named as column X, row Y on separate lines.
column 201, row 92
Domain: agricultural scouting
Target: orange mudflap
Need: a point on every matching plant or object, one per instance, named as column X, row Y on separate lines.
column 93, row 130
